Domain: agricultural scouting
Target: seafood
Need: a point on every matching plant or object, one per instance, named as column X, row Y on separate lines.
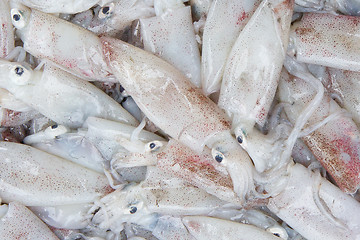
column 62, row 6
column 7, row 42
column 335, row 142
column 203, row 228
column 315, row 207
column 252, row 70
column 336, row 47
column 171, row 36
column 142, row 203
column 199, row 121
column 218, row 40
column 59, row 95
column 81, row 50
column 120, row 13
column 345, row 84
column 59, row 141
column 36, row 178
column 18, row 222
column 228, row 94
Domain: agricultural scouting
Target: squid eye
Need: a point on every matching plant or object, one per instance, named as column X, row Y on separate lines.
column 106, row 11
column 133, row 210
column 278, row 232
column 20, row 75
column 19, row 71
column 55, row 130
column 217, row 155
column 240, row 135
column 17, row 18
column 153, row 146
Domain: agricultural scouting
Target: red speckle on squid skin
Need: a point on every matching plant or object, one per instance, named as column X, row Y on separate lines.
column 194, row 168
column 241, row 18
column 338, row 152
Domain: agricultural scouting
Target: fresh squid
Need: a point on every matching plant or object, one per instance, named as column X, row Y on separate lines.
column 81, row 50
column 335, row 141
column 171, row 36
column 164, row 94
column 36, row 178
column 158, row 194
column 253, row 67
column 59, row 95
column 207, row 228
column 7, row 41
column 18, row 222
column 62, row 6
column 336, row 47
column 218, row 40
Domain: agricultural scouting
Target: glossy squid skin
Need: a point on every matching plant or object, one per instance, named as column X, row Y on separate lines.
column 336, row 47
column 197, row 169
column 337, row 143
column 252, row 70
column 36, row 178
column 208, row 228
column 180, row 109
column 171, row 36
column 218, row 40
column 20, row 223
column 7, row 42
column 61, row 6
column 60, row 96
column 316, row 208
column 80, row 50
column 346, row 85
column 165, row 95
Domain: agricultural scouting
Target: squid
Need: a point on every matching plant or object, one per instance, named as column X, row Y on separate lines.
column 18, row 222
column 59, row 95
column 253, row 67
column 80, row 49
column 165, row 95
column 218, row 40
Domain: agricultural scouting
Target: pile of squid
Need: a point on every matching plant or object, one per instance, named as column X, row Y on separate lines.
column 179, row 119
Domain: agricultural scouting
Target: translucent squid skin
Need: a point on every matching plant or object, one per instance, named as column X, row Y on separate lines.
column 197, row 169
column 176, row 159
column 316, row 208
column 336, row 47
column 252, row 70
column 60, row 96
column 7, row 42
column 165, row 95
column 218, row 40
column 347, row 85
column 180, row 109
column 208, row 228
column 61, row 6
column 10, row 118
column 43, row 35
column 158, row 194
column 36, row 178
column 171, row 36
column 336, row 144
column 20, row 223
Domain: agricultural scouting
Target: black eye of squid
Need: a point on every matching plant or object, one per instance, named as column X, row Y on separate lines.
column 16, row 17
column 54, row 126
column 239, row 139
column 276, row 234
column 152, row 145
column 105, row 10
column 19, row 70
column 219, row 158
column 133, row 210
